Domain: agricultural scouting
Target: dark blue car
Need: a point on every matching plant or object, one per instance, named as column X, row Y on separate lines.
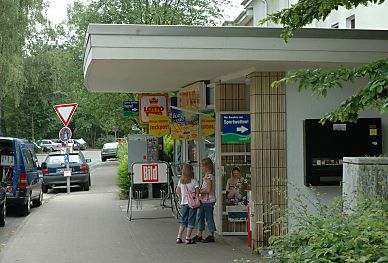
column 54, row 166
column 20, row 174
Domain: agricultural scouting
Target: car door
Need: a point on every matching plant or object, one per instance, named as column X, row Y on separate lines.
column 32, row 172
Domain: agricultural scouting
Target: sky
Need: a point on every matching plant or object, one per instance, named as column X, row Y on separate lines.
column 57, row 10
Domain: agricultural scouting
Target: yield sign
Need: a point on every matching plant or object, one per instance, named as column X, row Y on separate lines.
column 65, row 111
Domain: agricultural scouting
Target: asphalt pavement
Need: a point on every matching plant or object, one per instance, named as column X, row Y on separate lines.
column 93, row 227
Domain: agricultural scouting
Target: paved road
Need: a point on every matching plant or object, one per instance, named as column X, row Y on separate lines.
column 92, row 227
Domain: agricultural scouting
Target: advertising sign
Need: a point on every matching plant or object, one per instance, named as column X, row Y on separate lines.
column 207, row 124
column 152, row 104
column 131, row 108
column 184, row 126
column 236, row 128
column 192, row 96
column 149, row 173
column 159, row 125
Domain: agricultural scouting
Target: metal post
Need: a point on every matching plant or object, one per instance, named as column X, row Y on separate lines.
column 67, row 168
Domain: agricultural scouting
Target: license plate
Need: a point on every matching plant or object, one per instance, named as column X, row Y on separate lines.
column 60, row 171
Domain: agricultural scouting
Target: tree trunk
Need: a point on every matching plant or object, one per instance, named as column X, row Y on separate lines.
column 32, row 128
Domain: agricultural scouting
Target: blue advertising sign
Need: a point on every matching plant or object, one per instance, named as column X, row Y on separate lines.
column 236, row 128
column 131, row 108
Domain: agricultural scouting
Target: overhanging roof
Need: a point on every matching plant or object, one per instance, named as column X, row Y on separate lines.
column 145, row 58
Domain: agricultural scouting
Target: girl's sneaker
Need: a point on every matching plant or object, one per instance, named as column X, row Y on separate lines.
column 190, row 241
column 197, row 238
column 209, row 239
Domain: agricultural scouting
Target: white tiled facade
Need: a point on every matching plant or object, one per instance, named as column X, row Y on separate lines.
column 373, row 16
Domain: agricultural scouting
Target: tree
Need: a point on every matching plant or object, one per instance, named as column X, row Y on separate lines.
column 18, row 21
column 374, row 94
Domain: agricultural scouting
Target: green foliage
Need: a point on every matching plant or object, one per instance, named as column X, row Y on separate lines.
column 168, row 144
column 334, row 236
column 123, row 178
column 374, row 94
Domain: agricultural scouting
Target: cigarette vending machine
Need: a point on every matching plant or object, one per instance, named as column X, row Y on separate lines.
column 143, row 148
column 326, row 145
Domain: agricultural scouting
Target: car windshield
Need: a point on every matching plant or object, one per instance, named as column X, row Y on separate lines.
column 60, row 159
column 110, row 145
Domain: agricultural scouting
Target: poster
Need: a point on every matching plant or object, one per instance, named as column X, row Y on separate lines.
column 152, row 104
column 184, row 126
column 207, row 124
column 237, row 184
column 159, row 126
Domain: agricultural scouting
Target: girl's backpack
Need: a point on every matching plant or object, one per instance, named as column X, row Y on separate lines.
column 192, row 198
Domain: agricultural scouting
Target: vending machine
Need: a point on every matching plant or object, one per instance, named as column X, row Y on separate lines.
column 143, row 148
column 326, row 145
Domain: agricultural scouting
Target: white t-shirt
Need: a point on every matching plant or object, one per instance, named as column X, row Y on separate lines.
column 208, row 197
column 190, row 186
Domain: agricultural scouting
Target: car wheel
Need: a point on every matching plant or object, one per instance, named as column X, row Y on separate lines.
column 44, row 188
column 2, row 215
column 103, row 159
column 26, row 208
column 86, row 186
column 52, row 149
column 90, row 181
column 38, row 202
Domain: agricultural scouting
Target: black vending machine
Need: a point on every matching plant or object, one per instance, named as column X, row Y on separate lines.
column 326, row 145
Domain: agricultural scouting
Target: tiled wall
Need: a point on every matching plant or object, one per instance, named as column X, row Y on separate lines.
column 268, row 150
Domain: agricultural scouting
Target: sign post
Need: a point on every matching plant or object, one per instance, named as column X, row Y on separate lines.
column 65, row 112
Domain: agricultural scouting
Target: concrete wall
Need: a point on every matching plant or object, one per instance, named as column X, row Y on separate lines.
column 301, row 105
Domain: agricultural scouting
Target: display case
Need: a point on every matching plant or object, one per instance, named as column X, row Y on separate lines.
column 326, row 145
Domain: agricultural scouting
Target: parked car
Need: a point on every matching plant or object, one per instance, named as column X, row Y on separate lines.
column 20, row 174
column 49, row 145
column 3, row 199
column 79, row 144
column 54, row 166
column 109, row 150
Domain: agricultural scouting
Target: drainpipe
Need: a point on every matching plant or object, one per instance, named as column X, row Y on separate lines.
column 266, row 10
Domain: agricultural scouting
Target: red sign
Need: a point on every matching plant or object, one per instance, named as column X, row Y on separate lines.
column 65, row 111
column 150, row 173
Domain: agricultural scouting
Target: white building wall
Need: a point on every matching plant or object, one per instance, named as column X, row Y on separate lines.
column 367, row 17
column 373, row 16
column 300, row 106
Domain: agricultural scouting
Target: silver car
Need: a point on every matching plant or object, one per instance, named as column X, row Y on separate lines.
column 49, row 145
column 109, row 150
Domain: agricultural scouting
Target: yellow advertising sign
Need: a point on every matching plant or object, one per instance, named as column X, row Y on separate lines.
column 189, row 98
column 159, row 125
column 184, row 131
column 207, row 125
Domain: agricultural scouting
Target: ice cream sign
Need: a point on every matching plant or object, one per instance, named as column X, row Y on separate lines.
column 152, row 104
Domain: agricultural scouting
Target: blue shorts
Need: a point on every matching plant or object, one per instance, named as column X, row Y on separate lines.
column 188, row 216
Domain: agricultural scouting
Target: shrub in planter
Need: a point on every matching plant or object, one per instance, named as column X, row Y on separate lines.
column 334, row 236
column 123, row 178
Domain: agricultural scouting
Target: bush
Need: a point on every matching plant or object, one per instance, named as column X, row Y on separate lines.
column 334, row 236
column 123, row 178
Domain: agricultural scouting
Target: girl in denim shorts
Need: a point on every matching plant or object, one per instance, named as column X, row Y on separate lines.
column 188, row 214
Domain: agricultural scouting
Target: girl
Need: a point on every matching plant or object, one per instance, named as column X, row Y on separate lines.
column 188, row 182
column 208, row 199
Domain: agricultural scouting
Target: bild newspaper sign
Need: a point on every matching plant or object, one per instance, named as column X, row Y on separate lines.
column 145, row 173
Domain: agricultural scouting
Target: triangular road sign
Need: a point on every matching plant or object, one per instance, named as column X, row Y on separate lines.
column 65, row 111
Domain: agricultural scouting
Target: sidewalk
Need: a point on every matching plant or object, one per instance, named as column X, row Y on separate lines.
column 155, row 231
